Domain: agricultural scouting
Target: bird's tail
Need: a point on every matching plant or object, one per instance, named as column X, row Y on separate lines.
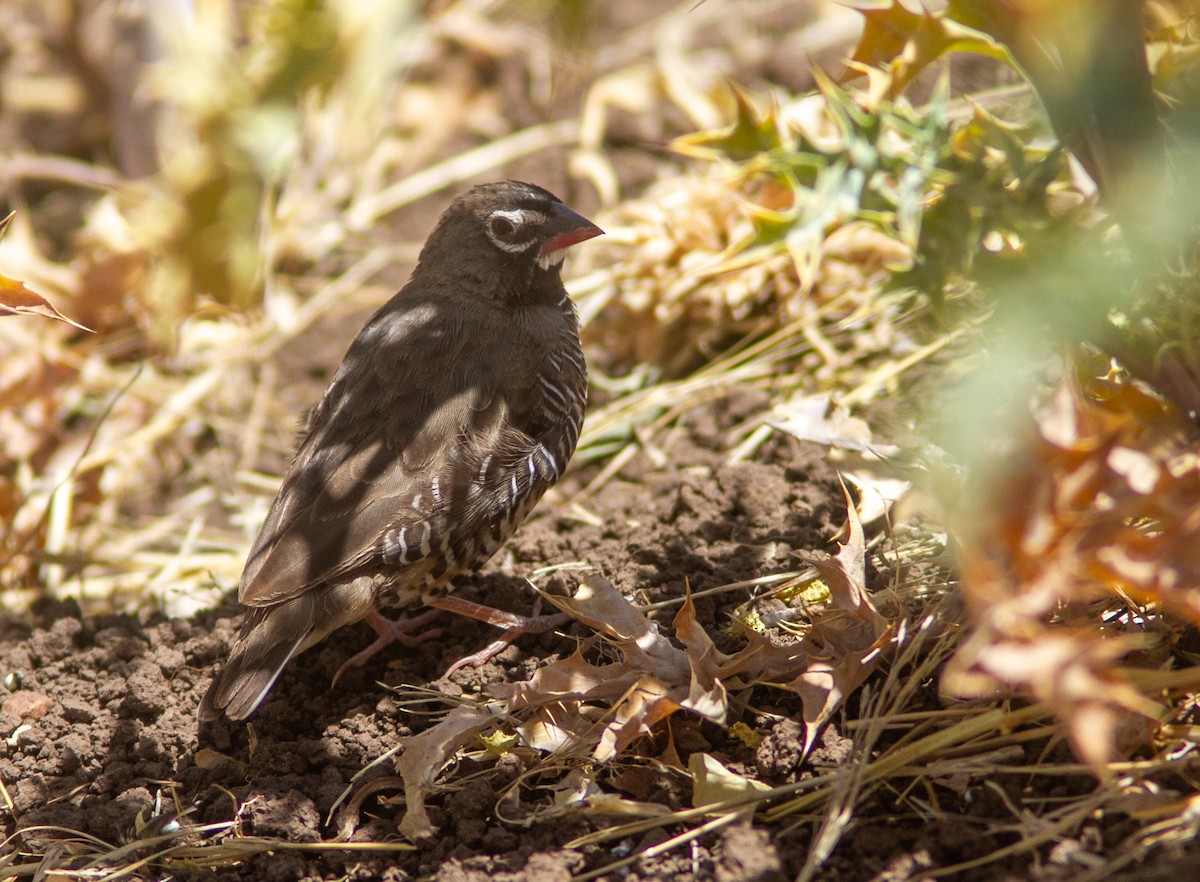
column 269, row 638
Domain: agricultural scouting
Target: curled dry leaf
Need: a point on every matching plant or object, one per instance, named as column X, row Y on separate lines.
column 16, row 299
column 572, row 706
column 851, row 635
column 581, row 791
column 603, row 609
column 822, row 420
column 426, row 753
column 713, row 783
column 577, row 792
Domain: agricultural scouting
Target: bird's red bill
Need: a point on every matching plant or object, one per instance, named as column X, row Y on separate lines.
column 571, row 237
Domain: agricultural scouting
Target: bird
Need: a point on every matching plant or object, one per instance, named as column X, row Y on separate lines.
column 456, row 407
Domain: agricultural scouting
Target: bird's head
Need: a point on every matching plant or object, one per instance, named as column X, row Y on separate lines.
column 514, row 227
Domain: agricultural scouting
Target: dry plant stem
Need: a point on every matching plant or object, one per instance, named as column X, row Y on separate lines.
column 241, row 847
column 172, row 566
column 797, row 576
column 846, row 792
column 460, row 168
column 105, row 855
column 885, row 373
column 615, row 464
column 634, row 828
column 906, row 719
column 1152, row 681
column 931, row 722
column 1180, row 830
column 967, row 751
column 180, row 408
column 330, row 295
column 758, row 362
column 1056, row 770
column 1112, row 865
column 1042, row 833
column 57, row 500
column 916, row 753
column 663, row 847
column 51, row 828
column 915, row 662
column 867, row 390
column 356, row 778
column 60, row 169
column 256, row 420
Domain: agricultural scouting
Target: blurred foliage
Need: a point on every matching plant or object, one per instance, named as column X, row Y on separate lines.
column 571, row 21
column 1077, row 420
column 234, row 83
column 1093, row 273
column 199, row 119
column 1086, row 536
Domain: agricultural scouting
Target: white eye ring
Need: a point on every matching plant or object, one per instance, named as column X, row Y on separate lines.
column 502, row 226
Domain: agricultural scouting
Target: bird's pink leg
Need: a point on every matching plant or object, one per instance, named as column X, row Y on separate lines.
column 514, row 625
column 391, row 631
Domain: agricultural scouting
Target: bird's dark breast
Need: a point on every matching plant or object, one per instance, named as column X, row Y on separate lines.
column 485, row 481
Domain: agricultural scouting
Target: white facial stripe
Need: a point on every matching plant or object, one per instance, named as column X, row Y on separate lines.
column 510, row 247
column 551, row 258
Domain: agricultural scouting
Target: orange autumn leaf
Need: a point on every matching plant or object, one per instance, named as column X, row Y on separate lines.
column 16, row 299
column 904, row 42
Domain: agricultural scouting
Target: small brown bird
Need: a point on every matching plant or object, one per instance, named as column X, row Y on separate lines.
column 454, row 410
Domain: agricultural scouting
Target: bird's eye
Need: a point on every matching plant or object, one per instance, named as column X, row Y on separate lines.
column 502, row 226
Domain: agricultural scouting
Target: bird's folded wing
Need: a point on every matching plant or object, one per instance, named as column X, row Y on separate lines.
column 366, row 469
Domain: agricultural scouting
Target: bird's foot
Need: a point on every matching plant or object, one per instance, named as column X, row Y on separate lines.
column 513, row 626
column 390, row 631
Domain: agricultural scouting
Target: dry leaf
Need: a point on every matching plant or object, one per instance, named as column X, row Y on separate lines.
column 712, row 783
column 853, row 635
column 821, row 420
column 904, row 42
column 425, row 754
column 579, row 792
column 601, row 607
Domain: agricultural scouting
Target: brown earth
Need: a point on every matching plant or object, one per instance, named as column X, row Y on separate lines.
column 100, row 732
